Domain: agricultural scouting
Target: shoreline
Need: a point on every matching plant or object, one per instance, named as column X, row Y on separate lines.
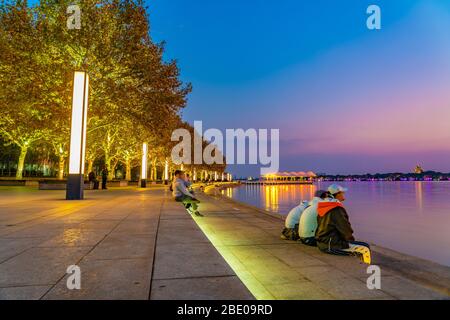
column 428, row 273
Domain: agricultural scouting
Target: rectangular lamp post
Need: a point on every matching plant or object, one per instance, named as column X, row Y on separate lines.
column 75, row 180
column 166, row 172
column 144, row 165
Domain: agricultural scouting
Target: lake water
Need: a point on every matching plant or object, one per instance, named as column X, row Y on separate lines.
column 409, row 217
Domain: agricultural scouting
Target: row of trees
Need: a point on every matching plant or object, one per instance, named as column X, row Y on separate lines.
column 135, row 95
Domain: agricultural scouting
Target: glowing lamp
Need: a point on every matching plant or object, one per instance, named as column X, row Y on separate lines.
column 75, row 180
column 144, row 165
column 166, row 172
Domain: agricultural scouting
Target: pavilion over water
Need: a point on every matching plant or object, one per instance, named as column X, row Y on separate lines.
column 288, row 177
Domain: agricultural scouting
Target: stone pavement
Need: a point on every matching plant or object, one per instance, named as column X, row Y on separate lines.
column 140, row 244
column 128, row 243
column 277, row 269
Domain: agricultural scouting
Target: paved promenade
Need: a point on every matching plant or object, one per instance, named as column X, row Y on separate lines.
column 140, row 244
column 128, row 243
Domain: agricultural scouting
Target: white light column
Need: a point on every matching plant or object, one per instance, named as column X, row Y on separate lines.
column 166, row 172
column 144, row 165
column 223, row 177
column 195, row 175
column 75, row 180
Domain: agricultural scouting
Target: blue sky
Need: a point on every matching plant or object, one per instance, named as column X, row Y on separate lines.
column 346, row 99
column 314, row 70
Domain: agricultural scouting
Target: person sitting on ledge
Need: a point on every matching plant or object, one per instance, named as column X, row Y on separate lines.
column 290, row 231
column 182, row 194
column 308, row 220
column 334, row 233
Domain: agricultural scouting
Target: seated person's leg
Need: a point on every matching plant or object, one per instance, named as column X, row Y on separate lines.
column 191, row 202
column 361, row 248
column 311, row 241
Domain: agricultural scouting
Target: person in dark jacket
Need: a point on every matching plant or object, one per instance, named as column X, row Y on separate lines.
column 334, row 232
column 93, row 180
column 104, row 177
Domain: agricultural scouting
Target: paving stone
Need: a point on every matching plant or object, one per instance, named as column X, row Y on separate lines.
column 210, row 288
column 124, row 246
column 189, row 260
column 23, row 293
column 74, row 237
column 121, row 279
column 299, row 290
column 39, row 266
column 405, row 289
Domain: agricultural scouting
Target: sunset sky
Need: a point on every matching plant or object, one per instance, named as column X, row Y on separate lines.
column 346, row 99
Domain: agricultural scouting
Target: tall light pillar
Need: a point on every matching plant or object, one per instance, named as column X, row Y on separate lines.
column 223, row 177
column 166, row 172
column 195, row 175
column 75, row 180
column 144, row 165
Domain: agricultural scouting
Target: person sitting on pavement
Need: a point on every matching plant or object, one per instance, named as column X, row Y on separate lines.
column 334, row 233
column 290, row 231
column 308, row 219
column 188, row 183
column 182, row 194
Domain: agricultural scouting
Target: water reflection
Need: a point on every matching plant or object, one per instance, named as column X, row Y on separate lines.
column 419, row 195
column 409, row 217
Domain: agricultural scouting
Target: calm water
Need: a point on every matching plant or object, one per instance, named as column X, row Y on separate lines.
column 410, row 217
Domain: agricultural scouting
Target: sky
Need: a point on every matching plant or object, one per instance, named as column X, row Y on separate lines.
column 346, row 99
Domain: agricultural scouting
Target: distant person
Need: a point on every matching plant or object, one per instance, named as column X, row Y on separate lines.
column 104, row 177
column 182, row 194
column 290, row 231
column 308, row 219
column 93, row 179
column 334, row 233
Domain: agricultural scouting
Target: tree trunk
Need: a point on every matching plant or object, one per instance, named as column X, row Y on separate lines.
column 62, row 162
column 90, row 166
column 21, row 163
column 112, row 170
column 128, row 170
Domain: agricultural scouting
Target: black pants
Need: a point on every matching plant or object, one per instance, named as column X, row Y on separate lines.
column 103, row 183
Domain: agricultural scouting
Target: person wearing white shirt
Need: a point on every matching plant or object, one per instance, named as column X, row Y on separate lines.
column 290, row 231
column 182, row 194
column 308, row 220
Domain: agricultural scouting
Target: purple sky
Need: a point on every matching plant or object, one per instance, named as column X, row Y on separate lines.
column 346, row 99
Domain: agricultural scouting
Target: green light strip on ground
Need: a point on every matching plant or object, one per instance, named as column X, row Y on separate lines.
column 247, row 278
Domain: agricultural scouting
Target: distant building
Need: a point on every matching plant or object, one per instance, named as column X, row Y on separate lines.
column 418, row 169
column 289, row 176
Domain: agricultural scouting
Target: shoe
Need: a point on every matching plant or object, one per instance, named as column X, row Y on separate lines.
column 198, row 214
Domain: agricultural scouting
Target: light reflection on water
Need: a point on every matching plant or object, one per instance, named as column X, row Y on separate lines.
column 410, row 217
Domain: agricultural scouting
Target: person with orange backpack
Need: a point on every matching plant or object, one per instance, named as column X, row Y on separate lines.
column 334, row 232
